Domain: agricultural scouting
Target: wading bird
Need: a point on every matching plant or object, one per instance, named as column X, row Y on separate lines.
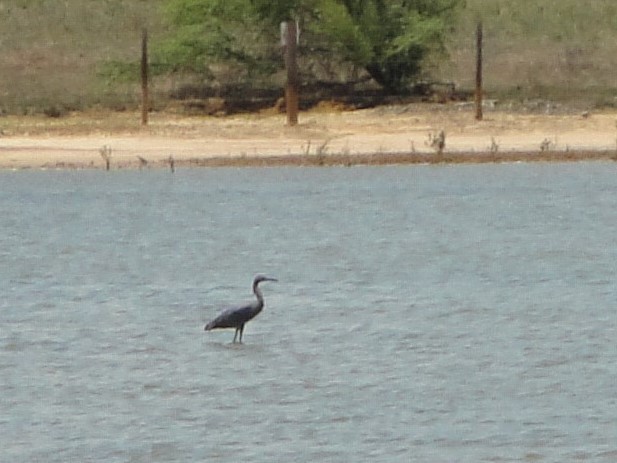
column 236, row 317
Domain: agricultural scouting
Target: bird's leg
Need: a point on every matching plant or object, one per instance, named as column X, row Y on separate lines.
column 241, row 331
column 235, row 335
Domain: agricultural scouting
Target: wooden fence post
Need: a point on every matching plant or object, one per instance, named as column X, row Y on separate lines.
column 479, row 71
column 292, row 88
column 145, row 103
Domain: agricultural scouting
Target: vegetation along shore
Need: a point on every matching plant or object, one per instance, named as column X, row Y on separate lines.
column 70, row 92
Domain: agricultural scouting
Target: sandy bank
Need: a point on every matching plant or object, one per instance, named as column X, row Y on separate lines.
column 397, row 134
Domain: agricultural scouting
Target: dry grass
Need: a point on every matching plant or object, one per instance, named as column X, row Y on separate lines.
column 539, row 49
column 52, row 52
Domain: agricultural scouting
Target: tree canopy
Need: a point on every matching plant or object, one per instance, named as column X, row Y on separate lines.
column 387, row 38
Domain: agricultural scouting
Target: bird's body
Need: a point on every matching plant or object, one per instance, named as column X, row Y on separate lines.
column 236, row 317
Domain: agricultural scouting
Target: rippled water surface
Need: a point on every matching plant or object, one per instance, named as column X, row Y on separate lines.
column 430, row 314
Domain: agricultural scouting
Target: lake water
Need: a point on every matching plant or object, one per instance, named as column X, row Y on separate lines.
column 422, row 313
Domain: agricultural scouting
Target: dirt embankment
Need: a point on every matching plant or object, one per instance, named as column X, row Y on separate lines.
column 383, row 135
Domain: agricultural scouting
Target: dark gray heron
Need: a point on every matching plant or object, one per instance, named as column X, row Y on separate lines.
column 236, row 317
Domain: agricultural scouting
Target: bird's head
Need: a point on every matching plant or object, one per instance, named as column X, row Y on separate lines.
column 259, row 278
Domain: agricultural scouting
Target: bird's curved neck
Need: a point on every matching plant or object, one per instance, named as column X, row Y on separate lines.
column 258, row 294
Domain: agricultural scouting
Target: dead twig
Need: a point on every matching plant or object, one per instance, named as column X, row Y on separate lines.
column 143, row 162
column 105, row 152
column 437, row 142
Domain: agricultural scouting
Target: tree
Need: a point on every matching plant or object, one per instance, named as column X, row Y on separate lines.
column 388, row 38
column 214, row 32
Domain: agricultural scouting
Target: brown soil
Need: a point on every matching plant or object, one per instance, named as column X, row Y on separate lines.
column 325, row 136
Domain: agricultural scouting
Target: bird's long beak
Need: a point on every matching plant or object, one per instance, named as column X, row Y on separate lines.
column 270, row 279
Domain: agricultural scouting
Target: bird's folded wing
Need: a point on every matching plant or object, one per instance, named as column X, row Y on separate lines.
column 232, row 317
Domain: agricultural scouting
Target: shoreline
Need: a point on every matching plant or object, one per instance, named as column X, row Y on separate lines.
column 377, row 136
column 328, row 160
